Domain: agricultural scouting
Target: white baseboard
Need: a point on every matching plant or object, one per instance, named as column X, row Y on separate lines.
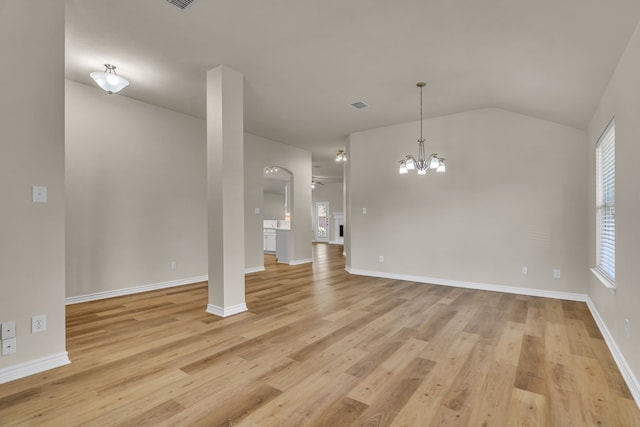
column 254, row 269
column 300, row 261
column 134, row 290
column 472, row 285
column 32, row 367
column 623, row 366
column 226, row 311
column 336, row 242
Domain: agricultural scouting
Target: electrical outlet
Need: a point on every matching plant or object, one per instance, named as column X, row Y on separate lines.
column 8, row 329
column 381, row 258
column 174, row 265
column 556, row 273
column 8, row 346
column 38, row 324
column 627, row 328
column 525, row 270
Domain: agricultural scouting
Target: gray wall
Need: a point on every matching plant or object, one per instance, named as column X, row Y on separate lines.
column 136, row 193
column 329, row 192
column 273, row 206
column 622, row 100
column 32, row 255
column 513, row 196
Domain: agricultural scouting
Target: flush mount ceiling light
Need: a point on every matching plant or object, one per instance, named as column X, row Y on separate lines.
column 421, row 165
column 109, row 80
column 341, row 156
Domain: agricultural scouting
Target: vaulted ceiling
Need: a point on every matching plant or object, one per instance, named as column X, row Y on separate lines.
column 306, row 61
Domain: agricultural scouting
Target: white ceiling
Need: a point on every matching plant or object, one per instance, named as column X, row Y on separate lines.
column 305, row 61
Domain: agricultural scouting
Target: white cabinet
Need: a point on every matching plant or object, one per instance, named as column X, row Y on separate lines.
column 269, row 240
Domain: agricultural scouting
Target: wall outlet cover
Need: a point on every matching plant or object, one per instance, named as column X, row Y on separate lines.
column 38, row 324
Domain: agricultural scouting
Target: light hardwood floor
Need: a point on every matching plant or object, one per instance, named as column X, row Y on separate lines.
column 319, row 347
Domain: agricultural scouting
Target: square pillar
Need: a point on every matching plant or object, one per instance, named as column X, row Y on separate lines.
column 225, row 191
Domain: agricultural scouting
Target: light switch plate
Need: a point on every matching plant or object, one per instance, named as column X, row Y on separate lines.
column 8, row 346
column 8, row 330
column 39, row 194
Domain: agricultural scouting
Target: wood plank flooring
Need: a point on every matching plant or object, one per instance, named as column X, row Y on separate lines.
column 319, row 347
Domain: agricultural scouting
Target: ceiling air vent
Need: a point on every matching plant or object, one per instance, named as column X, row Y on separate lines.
column 359, row 105
column 182, row 4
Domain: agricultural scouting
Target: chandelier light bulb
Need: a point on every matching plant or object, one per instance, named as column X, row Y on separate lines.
column 441, row 167
column 422, row 171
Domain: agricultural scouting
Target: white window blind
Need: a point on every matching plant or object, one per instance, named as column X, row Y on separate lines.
column 605, row 204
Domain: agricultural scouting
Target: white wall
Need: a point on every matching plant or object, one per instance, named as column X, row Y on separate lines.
column 32, row 255
column 136, row 193
column 273, row 206
column 622, row 100
column 513, row 196
column 260, row 153
column 330, row 192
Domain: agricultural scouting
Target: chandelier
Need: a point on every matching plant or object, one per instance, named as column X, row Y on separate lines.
column 341, row 156
column 421, row 165
column 109, row 80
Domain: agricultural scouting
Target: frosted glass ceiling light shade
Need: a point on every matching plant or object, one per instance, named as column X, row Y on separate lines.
column 109, row 80
column 403, row 167
column 341, row 156
column 411, row 164
column 435, row 162
column 421, row 164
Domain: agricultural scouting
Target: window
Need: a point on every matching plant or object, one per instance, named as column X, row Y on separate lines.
column 605, row 205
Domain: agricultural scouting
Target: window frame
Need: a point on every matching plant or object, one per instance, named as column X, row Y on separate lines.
column 605, row 207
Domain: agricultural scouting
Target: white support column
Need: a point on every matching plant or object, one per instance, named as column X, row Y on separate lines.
column 225, row 190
